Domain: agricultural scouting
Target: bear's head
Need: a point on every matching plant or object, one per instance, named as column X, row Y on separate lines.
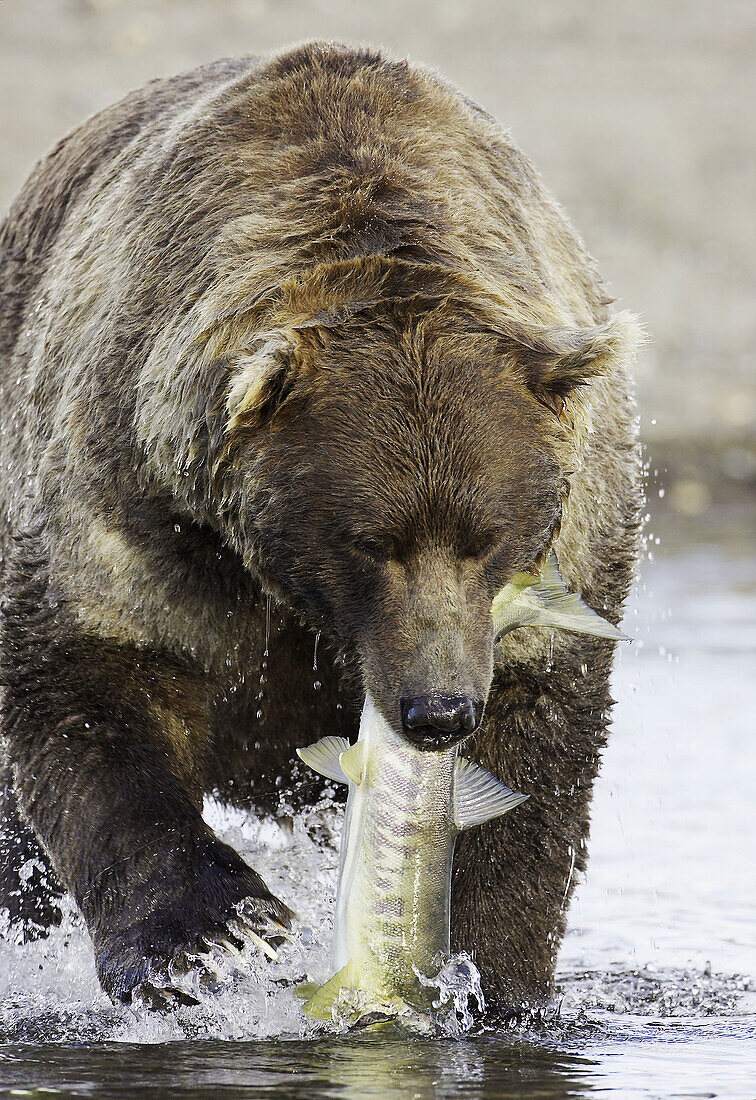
column 389, row 466
column 380, row 384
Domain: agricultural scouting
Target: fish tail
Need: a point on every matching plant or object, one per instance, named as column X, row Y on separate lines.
column 320, row 1001
column 558, row 607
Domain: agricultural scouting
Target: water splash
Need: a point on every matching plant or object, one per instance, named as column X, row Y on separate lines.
column 458, row 984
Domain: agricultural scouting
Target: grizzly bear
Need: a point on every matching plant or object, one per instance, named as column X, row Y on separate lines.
column 302, row 330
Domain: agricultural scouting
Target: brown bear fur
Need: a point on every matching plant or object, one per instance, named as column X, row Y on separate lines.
column 305, row 328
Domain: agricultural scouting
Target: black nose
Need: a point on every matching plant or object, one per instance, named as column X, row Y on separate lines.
column 439, row 721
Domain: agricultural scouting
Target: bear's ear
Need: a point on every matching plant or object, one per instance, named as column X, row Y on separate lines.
column 555, row 360
column 262, row 377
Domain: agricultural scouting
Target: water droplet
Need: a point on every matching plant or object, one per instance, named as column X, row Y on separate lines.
column 259, row 714
column 317, row 685
column 267, row 626
column 315, row 653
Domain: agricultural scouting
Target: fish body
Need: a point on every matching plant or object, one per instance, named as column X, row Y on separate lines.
column 392, row 907
column 405, row 809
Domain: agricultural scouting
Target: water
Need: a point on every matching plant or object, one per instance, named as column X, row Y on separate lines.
column 657, row 991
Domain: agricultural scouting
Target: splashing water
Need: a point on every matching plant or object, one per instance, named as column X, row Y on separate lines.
column 49, row 990
column 458, row 985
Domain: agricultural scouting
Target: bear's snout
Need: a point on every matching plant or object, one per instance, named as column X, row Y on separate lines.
column 434, row 722
column 427, row 655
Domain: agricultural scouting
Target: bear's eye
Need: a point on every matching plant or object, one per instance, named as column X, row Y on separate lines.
column 370, row 548
column 482, row 543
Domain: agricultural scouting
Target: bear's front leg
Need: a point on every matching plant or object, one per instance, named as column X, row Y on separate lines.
column 513, row 877
column 105, row 745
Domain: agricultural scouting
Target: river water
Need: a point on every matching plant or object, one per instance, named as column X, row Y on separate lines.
column 657, row 973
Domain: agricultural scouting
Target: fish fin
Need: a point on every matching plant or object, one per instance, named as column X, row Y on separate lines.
column 478, row 797
column 550, row 572
column 508, row 608
column 352, row 762
column 320, row 1004
column 556, row 606
column 323, row 757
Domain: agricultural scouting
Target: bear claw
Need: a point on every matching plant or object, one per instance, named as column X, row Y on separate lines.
column 192, row 975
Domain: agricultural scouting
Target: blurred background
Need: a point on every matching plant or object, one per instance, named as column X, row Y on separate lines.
column 640, row 115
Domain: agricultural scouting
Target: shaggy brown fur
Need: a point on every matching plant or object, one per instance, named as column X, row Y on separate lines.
column 309, row 327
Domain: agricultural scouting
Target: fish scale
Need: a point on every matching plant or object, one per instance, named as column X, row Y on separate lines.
column 399, row 884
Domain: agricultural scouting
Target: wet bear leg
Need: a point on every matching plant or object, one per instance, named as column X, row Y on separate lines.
column 513, row 877
column 104, row 742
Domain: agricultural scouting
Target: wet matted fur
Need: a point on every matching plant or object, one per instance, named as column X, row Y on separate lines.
column 304, row 328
